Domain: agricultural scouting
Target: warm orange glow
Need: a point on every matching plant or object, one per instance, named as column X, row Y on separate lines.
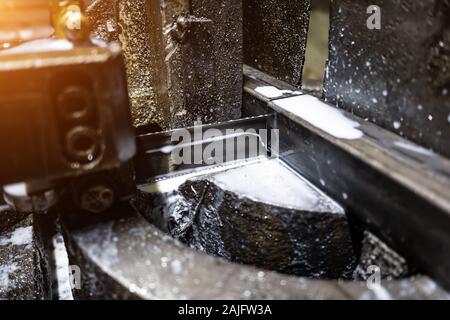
column 69, row 20
column 24, row 20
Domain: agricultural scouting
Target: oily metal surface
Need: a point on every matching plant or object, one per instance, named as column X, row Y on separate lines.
column 275, row 35
column 399, row 76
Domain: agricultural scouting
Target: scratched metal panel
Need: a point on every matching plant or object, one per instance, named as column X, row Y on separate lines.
column 399, row 76
column 275, row 35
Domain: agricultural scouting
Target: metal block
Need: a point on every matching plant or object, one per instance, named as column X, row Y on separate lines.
column 399, row 76
column 275, row 35
column 184, row 58
column 293, row 229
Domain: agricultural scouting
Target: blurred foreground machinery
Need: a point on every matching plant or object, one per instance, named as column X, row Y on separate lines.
column 341, row 194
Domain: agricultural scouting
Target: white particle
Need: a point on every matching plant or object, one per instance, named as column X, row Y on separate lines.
column 322, row 182
column 430, row 117
column 176, row 266
column 164, row 261
column 385, row 93
column 374, row 100
column 448, row 118
column 345, row 196
column 321, row 115
column 19, row 237
column 110, row 26
column 397, row 125
column 368, row 64
column 444, row 92
column 420, row 107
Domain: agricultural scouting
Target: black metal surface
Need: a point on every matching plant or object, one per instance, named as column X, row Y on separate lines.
column 403, row 196
column 314, row 243
column 399, row 76
column 44, row 133
column 275, row 37
column 183, row 57
column 211, row 63
column 152, row 160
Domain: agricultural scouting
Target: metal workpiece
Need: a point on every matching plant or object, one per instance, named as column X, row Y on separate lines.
column 294, row 229
column 67, row 111
column 275, row 34
column 397, row 76
column 183, row 58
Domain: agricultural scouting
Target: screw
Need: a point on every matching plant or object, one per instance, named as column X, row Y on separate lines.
column 97, row 198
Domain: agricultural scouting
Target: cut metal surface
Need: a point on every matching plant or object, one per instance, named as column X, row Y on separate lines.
column 257, row 213
column 399, row 76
